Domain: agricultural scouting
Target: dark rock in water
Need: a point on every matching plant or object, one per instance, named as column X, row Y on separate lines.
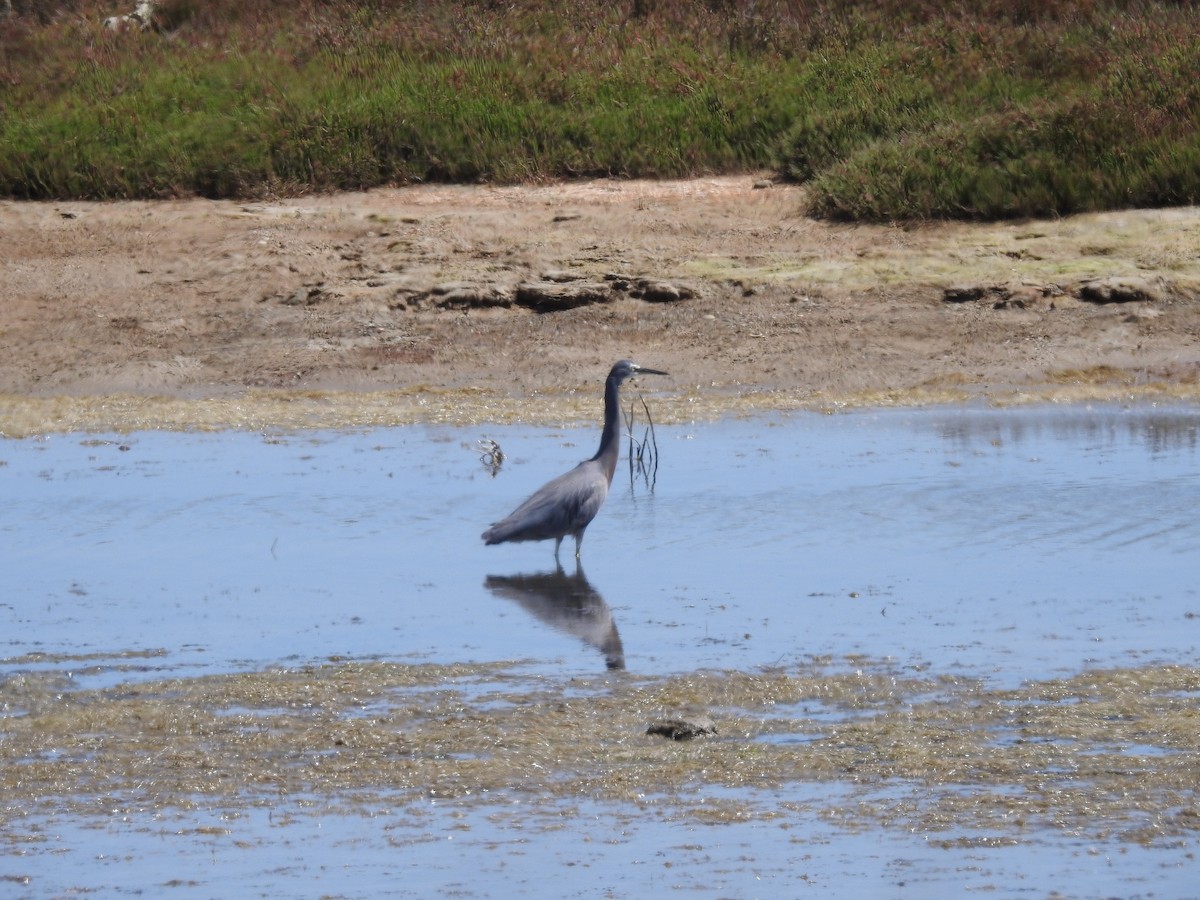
column 683, row 729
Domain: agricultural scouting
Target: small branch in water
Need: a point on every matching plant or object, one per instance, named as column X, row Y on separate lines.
column 653, row 438
column 643, row 454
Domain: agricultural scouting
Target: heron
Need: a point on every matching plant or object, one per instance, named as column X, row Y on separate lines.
column 568, row 504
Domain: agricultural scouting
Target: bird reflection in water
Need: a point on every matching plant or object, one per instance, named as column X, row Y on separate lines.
column 568, row 603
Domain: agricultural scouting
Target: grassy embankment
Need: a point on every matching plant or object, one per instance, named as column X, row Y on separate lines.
column 889, row 110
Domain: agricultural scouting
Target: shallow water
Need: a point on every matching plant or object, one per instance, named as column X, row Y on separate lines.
column 581, row 851
column 1006, row 546
column 1011, row 545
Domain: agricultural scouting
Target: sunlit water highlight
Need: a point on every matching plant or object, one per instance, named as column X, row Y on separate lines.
column 1002, row 545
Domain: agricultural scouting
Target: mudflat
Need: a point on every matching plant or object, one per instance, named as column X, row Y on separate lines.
column 485, row 303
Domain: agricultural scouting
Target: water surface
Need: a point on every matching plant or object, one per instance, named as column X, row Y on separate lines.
column 1008, row 544
column 1005, row 546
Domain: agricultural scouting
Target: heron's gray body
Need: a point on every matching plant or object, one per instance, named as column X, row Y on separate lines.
column 563, row 506
column 567, row 505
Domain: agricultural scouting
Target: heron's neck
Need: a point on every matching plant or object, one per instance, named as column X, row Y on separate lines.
column 610, row 445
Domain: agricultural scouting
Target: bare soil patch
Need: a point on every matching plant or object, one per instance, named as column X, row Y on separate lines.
column 414, row 304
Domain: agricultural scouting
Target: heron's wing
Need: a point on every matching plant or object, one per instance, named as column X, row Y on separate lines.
column 558, row 508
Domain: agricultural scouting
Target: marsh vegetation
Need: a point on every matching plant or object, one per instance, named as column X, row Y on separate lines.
column 889, row 110
column 1114, row 753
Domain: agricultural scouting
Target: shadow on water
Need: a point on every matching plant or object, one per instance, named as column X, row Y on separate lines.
column 568, row 603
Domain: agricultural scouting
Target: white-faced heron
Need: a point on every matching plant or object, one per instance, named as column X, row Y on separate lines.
column 568, row 504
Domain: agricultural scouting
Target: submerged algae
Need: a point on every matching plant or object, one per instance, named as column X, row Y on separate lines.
column 1111, row 753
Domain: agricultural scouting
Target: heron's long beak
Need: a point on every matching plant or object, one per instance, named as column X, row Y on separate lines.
column 642, row 370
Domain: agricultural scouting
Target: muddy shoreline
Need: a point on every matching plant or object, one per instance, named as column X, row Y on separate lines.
column 396, row 306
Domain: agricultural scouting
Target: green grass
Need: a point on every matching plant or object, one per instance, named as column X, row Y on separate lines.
column 1023, row 121
column 889, row 110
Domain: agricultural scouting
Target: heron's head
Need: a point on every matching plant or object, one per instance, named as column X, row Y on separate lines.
column 627, row 368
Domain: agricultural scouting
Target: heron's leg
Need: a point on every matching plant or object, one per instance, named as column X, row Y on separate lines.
column 557, row 544
column 578, row 542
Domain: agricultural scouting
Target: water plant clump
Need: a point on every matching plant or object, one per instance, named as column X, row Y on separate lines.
column 1110, row 753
